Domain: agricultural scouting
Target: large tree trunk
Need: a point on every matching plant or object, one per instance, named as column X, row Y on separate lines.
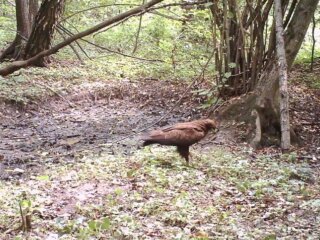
column 43, row 29
column 24, row 24
column 260, row 108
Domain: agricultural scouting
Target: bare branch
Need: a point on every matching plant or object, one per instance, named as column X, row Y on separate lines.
column 96, row 7
column 120, row 53
column 167, row 16
column 138, row 33
column 71, row 46
column 77, row 42
column 178, row 4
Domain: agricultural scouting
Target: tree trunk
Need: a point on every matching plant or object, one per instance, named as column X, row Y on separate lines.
column 33, row 9
column 23, row 31
column 283, row 78
column 43, row 29
column 260, row 108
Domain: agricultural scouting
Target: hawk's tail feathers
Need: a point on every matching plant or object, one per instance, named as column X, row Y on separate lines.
column 147, row 142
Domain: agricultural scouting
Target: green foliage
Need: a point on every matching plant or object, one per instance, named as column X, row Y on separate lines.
column 15, row 89
column 7, row 23
column 304, row 55
column 178, row 48
column 180, row 39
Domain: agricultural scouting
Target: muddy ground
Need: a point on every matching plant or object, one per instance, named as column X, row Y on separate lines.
column 111, row 117
column 108, row 118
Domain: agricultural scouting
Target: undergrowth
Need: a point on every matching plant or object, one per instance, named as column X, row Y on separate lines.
column 154, row 195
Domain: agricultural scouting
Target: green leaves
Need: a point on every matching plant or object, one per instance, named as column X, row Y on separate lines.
column 26, row 203
column 270, row 237
column 43, row 178
column 99, row 225
column 121, row 197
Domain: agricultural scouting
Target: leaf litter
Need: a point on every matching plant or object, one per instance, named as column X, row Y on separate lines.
column 83, row 185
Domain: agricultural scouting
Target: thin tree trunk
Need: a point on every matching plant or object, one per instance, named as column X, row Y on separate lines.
column 23, row 31
column 313, row 41
column 23, row 24
column 283, row 77
column 138, row 33
column 226, row 29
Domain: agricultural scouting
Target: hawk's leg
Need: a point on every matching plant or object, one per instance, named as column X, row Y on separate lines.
column 184, row 152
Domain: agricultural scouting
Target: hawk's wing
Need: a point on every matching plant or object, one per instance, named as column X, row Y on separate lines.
column 178, row 135
column 183, row 126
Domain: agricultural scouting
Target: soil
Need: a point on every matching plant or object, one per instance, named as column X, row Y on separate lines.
column 111, row 117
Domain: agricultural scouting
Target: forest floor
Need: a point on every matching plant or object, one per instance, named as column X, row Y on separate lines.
column 72, row 159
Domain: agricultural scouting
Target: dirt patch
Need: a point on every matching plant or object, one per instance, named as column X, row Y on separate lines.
column 305, row 112
column 93, row 118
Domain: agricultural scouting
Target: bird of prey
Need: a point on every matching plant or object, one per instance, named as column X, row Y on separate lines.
column 181, row 135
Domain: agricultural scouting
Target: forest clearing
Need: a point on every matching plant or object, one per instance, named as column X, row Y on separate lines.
column 73, row 126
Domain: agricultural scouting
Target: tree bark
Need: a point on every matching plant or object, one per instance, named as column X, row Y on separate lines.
column 14, row 66
column 283, row 77
column 33, row 9
column 23, row 31
column 43, row 29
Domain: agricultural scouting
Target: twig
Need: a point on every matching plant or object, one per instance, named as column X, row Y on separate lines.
column 177, row 4
column 22, row 217
column 167, row 16
column 23, row 220
column 71, row 46
column 95, row 7
column 77, row 42
column 122, row 54
column 313, row 40
column 138, row 33
column 105, row 48
column 55, row 92
column 118, row 23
